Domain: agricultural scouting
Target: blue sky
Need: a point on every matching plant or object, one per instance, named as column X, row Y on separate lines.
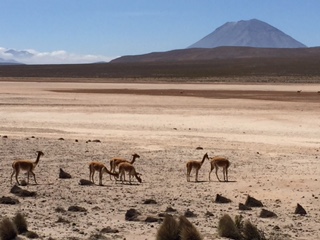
column 89, row 30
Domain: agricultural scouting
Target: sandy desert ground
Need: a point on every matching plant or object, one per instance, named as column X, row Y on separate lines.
column 273, row 145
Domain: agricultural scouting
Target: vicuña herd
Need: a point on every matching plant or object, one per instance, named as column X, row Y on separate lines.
column 124, row 166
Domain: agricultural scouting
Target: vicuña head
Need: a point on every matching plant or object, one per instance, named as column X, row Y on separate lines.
column 25, row 165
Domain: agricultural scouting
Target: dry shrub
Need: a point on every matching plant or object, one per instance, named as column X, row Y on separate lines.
column 250, row 231
column 21, row 223
column 227, row 228
column 169, row 229
column 8, row 230
column 187, row 230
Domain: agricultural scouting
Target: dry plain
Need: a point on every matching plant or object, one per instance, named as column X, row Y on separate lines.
column 269, row 132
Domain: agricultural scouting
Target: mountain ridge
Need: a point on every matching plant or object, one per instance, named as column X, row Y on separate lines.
column 204, row 54
column 250, row 33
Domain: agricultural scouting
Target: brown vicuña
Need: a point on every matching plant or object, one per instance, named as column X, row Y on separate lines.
column 25, row 165
column 116, row 161
column 222, row 162
column 192, row 164
column 101, row 168
column 129, row 168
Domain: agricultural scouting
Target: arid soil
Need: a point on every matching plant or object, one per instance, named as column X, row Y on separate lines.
column 269, row 132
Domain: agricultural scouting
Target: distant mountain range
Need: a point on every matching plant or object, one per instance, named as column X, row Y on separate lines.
column 223, row 53
column 243, row 39
column 251, row 33
column 9, row 62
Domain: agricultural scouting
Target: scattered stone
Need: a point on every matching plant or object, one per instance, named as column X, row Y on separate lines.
column 243, row 207
column 98, row 236
column 4, row 136
column 77, row 209
column 88, row 141
column 189, row 214
column 18, row 191
column 252, row 202
column 8, row 200
column 62, row 220
column 276, row 228
column 170, row 209
column 300, row 210
column 23, row 183
column 267, row 214
column 63, row 174
column 150, row 219
column 221, row 199
column 150, row 201
column 96, row 141
column 209, row 214
column 60, row 209
column 76, row 140
column 85, row 182
column 109, row 230
column 61, row 139
column 199, row 148
column 132, row 215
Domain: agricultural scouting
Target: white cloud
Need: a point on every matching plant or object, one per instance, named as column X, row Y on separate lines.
column 55, row 57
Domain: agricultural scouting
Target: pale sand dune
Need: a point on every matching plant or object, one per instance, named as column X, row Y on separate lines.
column 273, row 148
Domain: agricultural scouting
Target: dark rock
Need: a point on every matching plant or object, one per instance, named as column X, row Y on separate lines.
column 4, row 136
column 60, row 210
column 209, row 214
column 96, row 141
column 8, row 200
column 199, row 148
column 15, row 189
column 170, row 209
column 23, row 183
column 85, row 182
column 150, row 219
column 62, row 220
column 109, row 230
column 267, row 214
column 76, row 209
column 150, row 201
column 252, row 202
column 221, row 199
column 63, row 174
column 300, row 210
column 189, row 213
column 244, row 207
column 61, row 139
column 18, row 191
column 132, row 215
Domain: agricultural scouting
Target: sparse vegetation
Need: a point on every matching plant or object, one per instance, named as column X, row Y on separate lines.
column 171, row 229
column 227, row 228
column 20, row 223
column 8, row 230
column 238, row 229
